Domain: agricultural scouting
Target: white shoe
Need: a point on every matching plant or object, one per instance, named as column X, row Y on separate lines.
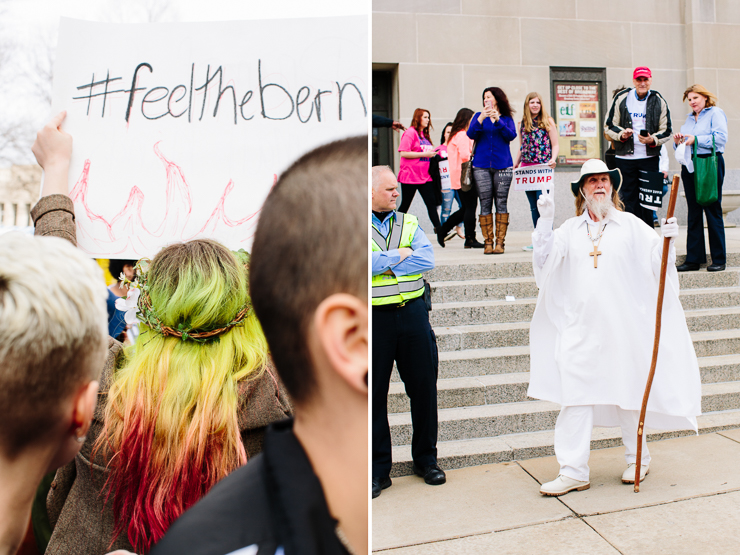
column 562, row 485
column 528, row 248
column 628, row 476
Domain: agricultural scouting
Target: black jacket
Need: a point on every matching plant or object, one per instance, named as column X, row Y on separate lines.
column 274, row 501
column 657, row 123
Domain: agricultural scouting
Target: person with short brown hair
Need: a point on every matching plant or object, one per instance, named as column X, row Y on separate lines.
column 307, row 491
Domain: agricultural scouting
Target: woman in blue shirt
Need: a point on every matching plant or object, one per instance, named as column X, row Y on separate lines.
column 493, row 129
column 706, row 121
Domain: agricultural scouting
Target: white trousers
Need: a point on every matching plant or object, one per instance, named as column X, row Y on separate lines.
column 573, row 439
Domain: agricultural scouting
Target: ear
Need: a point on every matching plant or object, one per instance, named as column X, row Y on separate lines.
column 83, row 408
column 341, row 327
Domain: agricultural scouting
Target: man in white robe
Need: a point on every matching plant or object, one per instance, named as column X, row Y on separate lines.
column 593, row 328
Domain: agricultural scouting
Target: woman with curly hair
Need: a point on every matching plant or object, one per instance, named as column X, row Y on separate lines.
column 493, row 129
column 178, row 411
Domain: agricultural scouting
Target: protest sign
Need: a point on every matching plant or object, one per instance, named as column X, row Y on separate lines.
column 651, row 189
column 533, row 178
column 180, row 130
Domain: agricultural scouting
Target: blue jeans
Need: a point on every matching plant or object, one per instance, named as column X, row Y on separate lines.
column 533, row 197
column 447, row 197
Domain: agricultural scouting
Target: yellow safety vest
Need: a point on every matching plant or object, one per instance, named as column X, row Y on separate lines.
column 390, row 289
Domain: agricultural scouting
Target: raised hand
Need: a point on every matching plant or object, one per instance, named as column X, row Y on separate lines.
column 53, row 150
column 546, row 204
column 53, row 146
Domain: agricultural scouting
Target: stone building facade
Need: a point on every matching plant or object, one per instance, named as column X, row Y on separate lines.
column 19, row 191
column 441, row 54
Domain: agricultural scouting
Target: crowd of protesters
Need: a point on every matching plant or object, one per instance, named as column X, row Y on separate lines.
column 637, row 127
column 217, row 430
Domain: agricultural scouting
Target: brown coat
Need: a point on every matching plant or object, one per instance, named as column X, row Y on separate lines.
column 82, row 522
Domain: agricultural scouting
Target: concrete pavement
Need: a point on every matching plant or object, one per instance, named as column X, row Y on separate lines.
column 689, row 503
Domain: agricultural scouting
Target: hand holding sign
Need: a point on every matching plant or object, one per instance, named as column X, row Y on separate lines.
column 533, row 178
column 546, row 204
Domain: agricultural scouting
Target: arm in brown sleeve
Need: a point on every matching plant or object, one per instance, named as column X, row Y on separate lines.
column 54, row 215
column 262, row 401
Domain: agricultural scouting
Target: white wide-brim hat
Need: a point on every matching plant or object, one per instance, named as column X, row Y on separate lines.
column 592, row 167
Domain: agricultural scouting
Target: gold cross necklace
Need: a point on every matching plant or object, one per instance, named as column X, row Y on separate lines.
column 596, row 251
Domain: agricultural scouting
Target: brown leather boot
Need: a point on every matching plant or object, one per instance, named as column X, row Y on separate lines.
column 486, row 226
column 502, row 222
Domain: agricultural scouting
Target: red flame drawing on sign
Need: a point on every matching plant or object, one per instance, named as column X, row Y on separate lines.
column 127, row 231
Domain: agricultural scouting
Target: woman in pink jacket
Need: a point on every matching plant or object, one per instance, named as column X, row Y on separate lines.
column 416, row 148
column 458, row 151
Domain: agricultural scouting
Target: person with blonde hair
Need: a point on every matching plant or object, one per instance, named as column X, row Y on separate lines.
column 706, row 127
column 538, row 144
column 177, row 412
column 53, row 338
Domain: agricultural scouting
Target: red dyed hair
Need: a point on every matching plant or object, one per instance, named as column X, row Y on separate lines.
column 416, row 123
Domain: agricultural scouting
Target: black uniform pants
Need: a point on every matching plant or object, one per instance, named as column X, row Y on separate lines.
column 404, row 335
column 629, row 192
column 696, row 251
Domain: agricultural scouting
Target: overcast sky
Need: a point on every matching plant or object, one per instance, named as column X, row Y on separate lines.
column 29, row 25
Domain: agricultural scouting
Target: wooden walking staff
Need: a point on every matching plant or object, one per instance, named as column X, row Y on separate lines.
column 656, row 343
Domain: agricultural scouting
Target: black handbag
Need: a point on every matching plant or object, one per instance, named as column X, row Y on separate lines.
column 466, row 171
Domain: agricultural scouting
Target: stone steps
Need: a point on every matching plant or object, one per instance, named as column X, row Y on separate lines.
column 482, row 421
column 468, row 356
column 520, row 265
column 512, row 388
column 479, row 312
column 486, row 450
column 485, row 415
column 525, row 287
column 505, row 360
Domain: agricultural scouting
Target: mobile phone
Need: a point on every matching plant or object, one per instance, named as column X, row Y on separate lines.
column 489, row 104
column 643, row 133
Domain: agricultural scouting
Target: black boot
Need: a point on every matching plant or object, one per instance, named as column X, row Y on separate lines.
column 472, row 243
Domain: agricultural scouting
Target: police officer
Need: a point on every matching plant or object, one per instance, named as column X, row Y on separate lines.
column 401, row 332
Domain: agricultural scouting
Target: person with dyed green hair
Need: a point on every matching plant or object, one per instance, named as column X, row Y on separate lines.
column 178, row 411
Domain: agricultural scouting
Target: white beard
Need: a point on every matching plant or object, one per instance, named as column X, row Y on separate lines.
column 600, row 208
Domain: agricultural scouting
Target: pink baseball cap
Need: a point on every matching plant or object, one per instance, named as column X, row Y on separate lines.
column 642, row 71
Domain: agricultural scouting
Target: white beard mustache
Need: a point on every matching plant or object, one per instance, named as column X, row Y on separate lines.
column 600, row 208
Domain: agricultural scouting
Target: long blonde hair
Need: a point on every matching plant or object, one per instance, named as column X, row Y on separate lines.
column 544, row 118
